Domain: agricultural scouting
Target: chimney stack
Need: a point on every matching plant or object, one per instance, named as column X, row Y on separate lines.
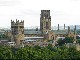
column 75, row 27
column 68, row 29
column 74, row 34
column 58, row 27
column 16, row 20
column 64, row 26
column 75, row 30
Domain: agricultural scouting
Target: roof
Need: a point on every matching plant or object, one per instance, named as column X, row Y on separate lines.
column 33, row 37
column 32, row 32
column 39, row 32
column 2, row 32
column 60, row 32
column 29, row 40
column 11, row 42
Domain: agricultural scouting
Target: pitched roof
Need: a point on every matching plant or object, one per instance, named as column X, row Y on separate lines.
column 60, row 32
column 32, row 32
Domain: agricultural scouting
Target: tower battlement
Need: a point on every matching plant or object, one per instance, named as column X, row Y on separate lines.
column 17, row 27
column 17, row 22
column 45, row 14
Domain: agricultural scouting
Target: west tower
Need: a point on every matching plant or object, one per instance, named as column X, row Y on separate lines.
column 45, row 21
column 17, row 30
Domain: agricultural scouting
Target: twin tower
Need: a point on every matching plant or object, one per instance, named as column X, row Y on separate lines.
column 17, row 27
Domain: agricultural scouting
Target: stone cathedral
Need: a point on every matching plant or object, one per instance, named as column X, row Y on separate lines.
column 18, row 33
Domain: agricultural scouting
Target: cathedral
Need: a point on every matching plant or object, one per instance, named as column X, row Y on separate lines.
column 18, row 32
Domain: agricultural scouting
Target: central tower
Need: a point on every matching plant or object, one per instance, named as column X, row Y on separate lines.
column 45, row 21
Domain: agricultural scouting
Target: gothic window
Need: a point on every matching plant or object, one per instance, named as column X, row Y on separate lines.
column 46, row 15
column 15, row 26
column 42, row 25
column 47, row 27
column 53, row 38
column 21, row 26
column 12, row 26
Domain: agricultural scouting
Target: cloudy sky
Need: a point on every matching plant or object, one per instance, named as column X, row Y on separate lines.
column 62, row 11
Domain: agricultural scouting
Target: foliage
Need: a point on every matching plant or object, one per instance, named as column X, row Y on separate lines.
column 2, row 36
column 50, row 40
column 66, row 40
column 78, row 41
column 39, row 53
column 69, row 39
column 50, row 46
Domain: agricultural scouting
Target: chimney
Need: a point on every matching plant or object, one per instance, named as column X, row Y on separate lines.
column 74, row 34
column 75, row 30
column 68, row 29
column 58, row 27
column 16, row 20
column 11, row 20
column 75, row 27
column 64, row 26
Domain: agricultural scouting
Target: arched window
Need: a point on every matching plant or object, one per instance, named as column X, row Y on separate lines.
column 52, row 37
column 47, row 27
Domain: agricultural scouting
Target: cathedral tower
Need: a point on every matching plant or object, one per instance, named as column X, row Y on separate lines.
column 45, row 21
column 17, row 30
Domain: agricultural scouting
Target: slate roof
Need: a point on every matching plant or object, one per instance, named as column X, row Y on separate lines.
column 2, row 32
column 32, row 32
column 60, row 32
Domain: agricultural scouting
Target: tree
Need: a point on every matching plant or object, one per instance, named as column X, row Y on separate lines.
column 39, row 53
column 78, row 41
column 69, row 39
column 6, row 53
column 61, row 42
column 66, row 40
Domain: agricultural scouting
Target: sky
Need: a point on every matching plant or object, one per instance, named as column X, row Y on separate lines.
column 62, row 12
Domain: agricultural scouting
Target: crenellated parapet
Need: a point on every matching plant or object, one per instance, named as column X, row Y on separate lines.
column 45, row 14
column 17, row 30
column 17, row 22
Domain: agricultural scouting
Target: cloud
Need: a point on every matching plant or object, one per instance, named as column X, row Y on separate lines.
column 30, row 12
column 9, row 2
column 74, row 0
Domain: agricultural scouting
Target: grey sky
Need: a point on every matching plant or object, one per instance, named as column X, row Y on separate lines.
column 62, row 11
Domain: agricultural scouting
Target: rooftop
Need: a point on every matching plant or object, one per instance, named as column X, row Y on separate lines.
column 32, row 32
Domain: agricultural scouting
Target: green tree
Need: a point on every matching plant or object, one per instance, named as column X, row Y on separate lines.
column 78, row 41
column 6, row 53
column 69, row 39
column 66, row 40
column 61, row 42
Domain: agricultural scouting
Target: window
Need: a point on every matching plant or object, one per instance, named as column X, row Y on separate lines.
column 47, row 25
